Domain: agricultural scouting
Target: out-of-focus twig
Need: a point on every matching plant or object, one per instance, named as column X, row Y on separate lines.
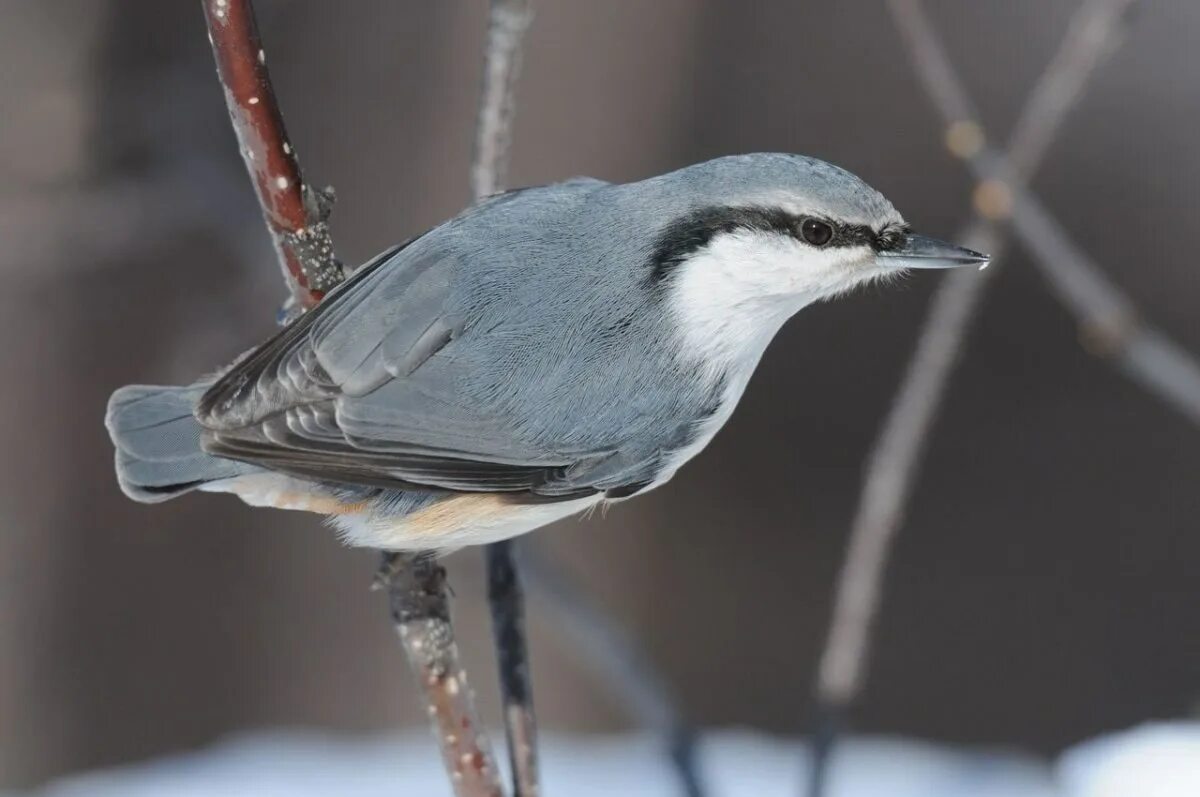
column 507, row 22
column 894, row 461
column 295, row 213
column 1110, row 325
column 605, row 648
column 296, row 218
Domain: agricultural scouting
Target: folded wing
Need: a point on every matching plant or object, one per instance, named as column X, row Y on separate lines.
column 362, row 390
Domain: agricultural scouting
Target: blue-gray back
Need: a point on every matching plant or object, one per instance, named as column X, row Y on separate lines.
column 522, row 333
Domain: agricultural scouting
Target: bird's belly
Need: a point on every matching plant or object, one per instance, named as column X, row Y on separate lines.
column 284, row 492
column 455, row 522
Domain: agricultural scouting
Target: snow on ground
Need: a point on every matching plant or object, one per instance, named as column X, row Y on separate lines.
column 1157, row 760
column 1153, row 761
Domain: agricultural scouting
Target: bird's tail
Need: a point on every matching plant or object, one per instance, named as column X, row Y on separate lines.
column 158, row 443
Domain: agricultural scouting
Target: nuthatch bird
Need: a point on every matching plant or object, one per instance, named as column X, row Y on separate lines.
column 548, row 349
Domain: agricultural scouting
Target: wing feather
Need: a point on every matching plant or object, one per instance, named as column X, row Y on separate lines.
column 309, row 402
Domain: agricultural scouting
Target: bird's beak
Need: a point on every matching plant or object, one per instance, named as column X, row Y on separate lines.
column 917, row 251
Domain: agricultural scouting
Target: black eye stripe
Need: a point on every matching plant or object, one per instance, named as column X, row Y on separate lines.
column 694, row 231
column 890, row 237
column 853, row 235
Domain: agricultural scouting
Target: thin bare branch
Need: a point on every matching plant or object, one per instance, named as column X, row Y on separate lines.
column 890, row 474
column 894, row 461
column 1093, row 34
column 892, row 465
column 1109, row 323
column 497, row 105
column 508, row 21
column 296, row 217
column 507, row 602
column 416, row 586
column 295, row 214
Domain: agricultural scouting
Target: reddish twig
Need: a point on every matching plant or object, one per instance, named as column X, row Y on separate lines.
column 296, row 214
column 893, row 464
column 420, row 606
column 296, row 218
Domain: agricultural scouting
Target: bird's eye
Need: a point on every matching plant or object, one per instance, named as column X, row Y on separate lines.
column 816, row 232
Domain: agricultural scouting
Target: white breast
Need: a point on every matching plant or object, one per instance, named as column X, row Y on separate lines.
column 727, row 302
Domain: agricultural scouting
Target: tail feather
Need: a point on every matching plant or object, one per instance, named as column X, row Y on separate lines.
column 158, row 443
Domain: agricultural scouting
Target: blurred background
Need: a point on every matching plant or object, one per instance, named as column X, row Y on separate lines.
column 1044, row 587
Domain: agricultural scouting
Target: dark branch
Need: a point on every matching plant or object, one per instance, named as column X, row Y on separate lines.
column 507, row 602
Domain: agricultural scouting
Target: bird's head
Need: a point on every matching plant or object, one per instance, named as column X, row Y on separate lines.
column 751, row 239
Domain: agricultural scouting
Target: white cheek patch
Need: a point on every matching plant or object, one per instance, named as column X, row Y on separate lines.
column 730, row 298
column 833, row 270
column 752, row 266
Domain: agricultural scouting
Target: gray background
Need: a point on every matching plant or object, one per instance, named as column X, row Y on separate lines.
column 1044, row 587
